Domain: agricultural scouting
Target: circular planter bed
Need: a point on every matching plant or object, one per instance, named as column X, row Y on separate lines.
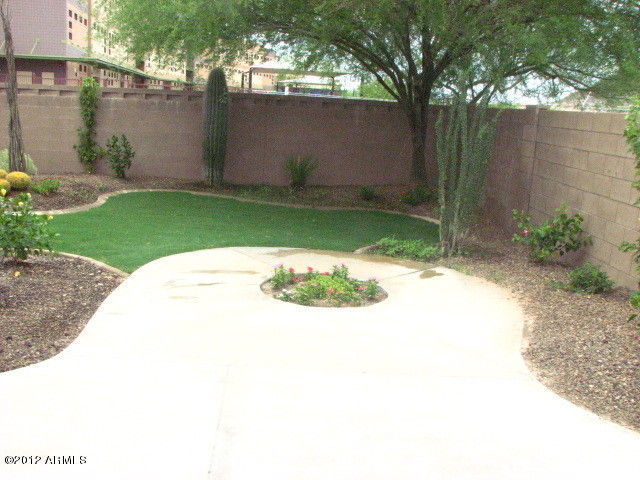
column 314, row 288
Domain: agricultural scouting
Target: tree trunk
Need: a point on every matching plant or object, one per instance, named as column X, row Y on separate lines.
column 418, row 114
column 16, row 150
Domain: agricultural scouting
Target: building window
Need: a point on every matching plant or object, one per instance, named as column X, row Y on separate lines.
column 70, row 24
column 85, row 21
column 80, row 18
column 75, row 16
column 70, row 14
column 70, row 36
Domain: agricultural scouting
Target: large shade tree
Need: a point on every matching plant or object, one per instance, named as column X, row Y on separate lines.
column 413, row 48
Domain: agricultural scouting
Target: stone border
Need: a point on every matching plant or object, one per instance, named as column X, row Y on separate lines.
column 105, row 196
column 95, row 262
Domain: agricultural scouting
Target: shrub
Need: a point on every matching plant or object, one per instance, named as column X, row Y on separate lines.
column 18, row 180
column 87, row 148
column 119, row 153
column 367, row 193
column 411, row 249
column 336, row 286
column 634, row 301
column 29, row 166
column 589, row 278
column 560, row 235
column 3, row 173
column 46, row 186
column 22, row 232
column 4, row 186
column 418, row 195
column 300, row 168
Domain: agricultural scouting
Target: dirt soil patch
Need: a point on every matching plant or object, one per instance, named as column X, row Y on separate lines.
column 76, row 190
column 578, row 345
column 44, row 305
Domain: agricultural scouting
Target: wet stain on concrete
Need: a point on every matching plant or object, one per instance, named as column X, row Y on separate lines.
column 430, row 274
column 238, row 272
column 354, row 256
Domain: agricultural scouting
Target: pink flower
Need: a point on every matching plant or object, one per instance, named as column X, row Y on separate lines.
column 310, row 269
column 295, row 279
column 373, row 279
column 291, row 270
column 324, row 273
column 525, row 232
column 360, row 288
column 278, row 266
column 330, row 291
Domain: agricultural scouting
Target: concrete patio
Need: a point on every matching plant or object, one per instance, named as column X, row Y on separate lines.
column 188, row 371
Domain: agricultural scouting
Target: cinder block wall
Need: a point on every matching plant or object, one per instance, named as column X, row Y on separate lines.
column 355, row 142
column 546, row 158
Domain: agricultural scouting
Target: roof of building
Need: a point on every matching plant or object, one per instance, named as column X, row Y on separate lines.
column 100, row 62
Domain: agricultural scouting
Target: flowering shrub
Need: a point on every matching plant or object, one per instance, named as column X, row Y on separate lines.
column 22, row 232
column 46, row 186
column 334, row 288
column 560, row 235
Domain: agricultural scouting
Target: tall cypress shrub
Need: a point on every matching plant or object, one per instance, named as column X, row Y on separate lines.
column 216, row 120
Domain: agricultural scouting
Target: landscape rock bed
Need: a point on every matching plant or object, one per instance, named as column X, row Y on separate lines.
column 44, row 305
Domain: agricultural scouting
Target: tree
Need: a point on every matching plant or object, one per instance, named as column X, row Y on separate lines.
column 16, row 149
column 411, row 47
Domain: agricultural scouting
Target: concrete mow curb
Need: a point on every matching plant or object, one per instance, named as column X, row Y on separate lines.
column 105, row 196
column 189, row 371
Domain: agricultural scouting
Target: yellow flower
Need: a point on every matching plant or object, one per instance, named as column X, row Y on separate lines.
column 49, row 217
column 16, row 274
column 20, row 204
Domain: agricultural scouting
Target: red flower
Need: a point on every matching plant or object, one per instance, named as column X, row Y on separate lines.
column 330, row 291
column 295, row 279
column 310, row 269
column 292, row 270
column 324, row 273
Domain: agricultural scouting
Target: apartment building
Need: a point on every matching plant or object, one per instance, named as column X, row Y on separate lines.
column 237, row 73
column 59, row 42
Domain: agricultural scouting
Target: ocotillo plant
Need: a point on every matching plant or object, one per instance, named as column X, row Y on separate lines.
column 216, row 120
column 464, row 138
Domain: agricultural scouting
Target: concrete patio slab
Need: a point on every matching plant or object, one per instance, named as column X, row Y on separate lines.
column 188, row 371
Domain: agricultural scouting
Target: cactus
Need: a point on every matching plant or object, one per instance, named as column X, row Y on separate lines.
column 464, row 139
column 216, row 120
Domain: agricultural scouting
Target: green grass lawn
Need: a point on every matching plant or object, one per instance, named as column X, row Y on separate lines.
column 132, row 229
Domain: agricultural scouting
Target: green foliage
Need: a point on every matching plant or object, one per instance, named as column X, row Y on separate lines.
column 559, row 235
column 119, row 153
column 634, row 301
column 336, row 286
column 18, row 180
column 87, row 148
column 410, row 249
column 5, row 187
column 419, row 195
column 46, row 186
column 464, row 139
column 367, row 193
column 216, row 125
column 589, row 278
column 300, row 169
column 30, row 167
column 22, row 232
column 632, row 130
